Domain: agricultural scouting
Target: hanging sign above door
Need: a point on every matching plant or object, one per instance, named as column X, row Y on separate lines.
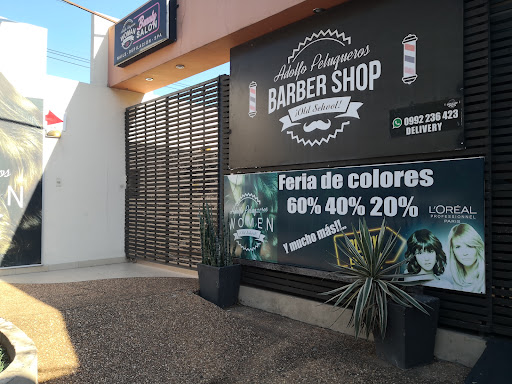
column 145, row 30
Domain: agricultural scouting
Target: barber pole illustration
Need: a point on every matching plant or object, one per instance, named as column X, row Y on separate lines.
column 409, row 43
column 252, row 99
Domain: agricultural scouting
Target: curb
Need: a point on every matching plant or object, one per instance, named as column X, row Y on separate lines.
column 23, row 352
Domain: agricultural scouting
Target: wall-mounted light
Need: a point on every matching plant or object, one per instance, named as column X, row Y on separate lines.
column 149, row 79
column 180, row 66
column 55, row 134
column 54, row 125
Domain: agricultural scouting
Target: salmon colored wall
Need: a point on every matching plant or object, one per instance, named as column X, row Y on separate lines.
column 207, row 30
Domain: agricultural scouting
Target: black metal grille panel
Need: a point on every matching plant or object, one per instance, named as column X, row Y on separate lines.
column 172, row 167
column 500, row 54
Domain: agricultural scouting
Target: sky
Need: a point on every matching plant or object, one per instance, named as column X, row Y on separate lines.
column 69, row 33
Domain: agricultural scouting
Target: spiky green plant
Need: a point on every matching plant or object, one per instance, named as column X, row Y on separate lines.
column 4, row 358
column 216, row 247
column 372, row 284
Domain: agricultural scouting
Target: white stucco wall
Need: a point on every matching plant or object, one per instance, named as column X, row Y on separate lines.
column 99, row 50
column 84, row 170
column 84, row 173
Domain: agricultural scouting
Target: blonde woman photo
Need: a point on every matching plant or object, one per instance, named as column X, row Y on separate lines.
column 467, row 259
column 21, row 148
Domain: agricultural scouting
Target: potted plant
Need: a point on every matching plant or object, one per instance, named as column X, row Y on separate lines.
column 219, row 278
column 4, row 358
column 403, row 325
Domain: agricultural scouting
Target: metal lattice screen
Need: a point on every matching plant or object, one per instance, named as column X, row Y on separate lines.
column 172, row 167
column 500, row 56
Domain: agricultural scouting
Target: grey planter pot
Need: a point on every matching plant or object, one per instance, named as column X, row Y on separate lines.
column 410, row 336
column 219, row 285
column 23, row 353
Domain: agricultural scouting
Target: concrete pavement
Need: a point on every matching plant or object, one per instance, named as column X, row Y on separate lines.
column 146, row 329
column 109, row 271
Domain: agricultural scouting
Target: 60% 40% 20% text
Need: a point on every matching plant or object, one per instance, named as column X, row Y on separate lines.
column 388, row 206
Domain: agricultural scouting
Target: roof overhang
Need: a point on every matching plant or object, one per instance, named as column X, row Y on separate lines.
column 207, row 30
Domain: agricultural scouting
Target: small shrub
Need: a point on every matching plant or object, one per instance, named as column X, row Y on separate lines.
column 216, row 247
column 372, row 284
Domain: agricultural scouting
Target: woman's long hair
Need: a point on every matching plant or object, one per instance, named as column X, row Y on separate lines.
column 21, row 142
column 467, row 234
column 424, row 240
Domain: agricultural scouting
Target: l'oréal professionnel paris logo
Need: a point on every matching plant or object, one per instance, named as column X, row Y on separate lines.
column 315, row 96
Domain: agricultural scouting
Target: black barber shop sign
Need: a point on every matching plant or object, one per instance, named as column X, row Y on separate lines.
column 365, row 79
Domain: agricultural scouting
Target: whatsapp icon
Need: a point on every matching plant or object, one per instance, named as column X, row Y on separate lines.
column 397, row 123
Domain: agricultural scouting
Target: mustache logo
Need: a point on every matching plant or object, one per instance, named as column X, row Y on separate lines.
column 318, row 124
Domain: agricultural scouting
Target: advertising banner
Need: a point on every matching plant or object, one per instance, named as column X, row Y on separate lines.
column 21, row 158
column 297, row 218
column 152, row 25
column 365, row 79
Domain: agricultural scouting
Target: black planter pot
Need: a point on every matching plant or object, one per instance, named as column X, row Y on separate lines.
column 411, row 334
column 219, row 285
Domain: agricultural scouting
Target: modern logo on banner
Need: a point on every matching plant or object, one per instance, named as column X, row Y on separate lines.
column 252, row 215
column 249, row 212
column 243, row 212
